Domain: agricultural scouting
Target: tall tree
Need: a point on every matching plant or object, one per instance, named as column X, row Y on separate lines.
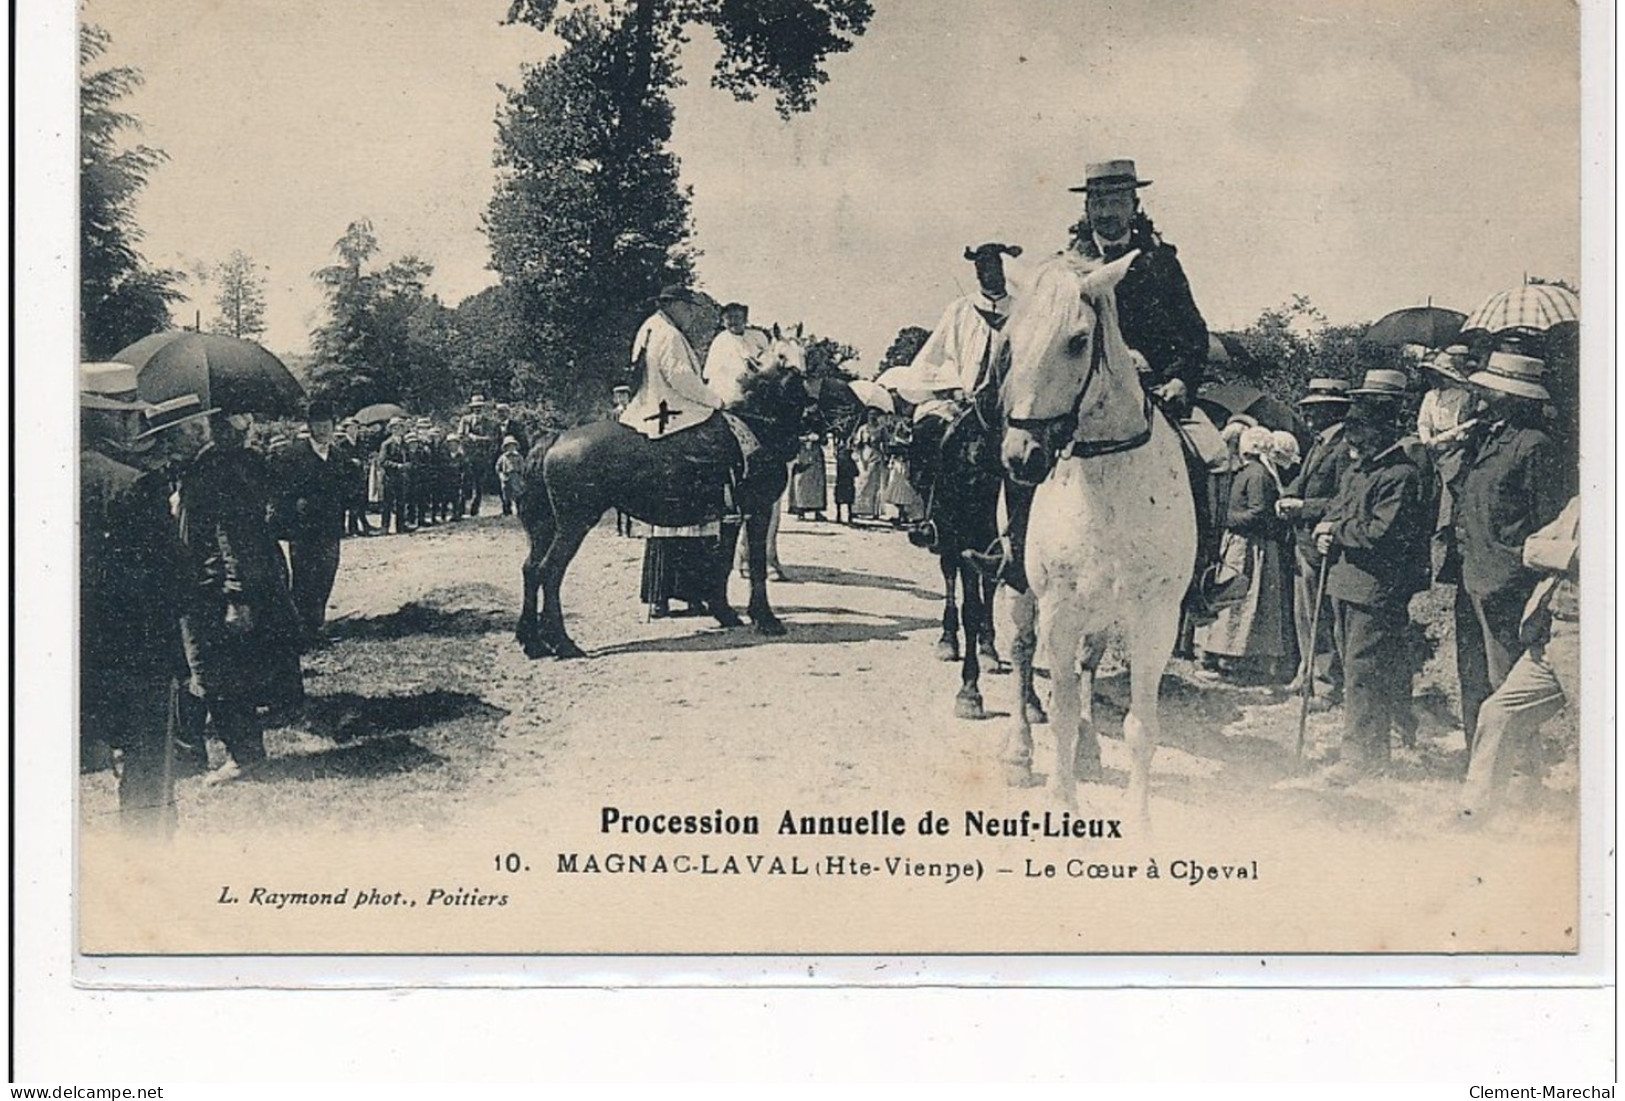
column 239, row 298
column 386, row 338
column 121, row 297
column 588, row 219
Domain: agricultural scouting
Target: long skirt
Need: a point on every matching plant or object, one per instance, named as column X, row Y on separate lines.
column 808, row 488
column 898, row 492
column 1260, row 625
column 680, row 567
column 866, row 491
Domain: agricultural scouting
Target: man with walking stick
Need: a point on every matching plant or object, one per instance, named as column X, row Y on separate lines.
column 1380, row 530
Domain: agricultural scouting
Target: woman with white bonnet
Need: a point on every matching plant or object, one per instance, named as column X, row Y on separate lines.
column 1254, row 635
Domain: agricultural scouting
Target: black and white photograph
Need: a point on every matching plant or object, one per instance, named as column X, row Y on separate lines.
column 1026, row 481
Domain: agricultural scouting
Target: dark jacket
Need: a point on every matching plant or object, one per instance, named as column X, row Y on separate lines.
column 395, row 458
column 1511, row 486
column 236, row 564
column 1382, row 530
column 1317, row 484
column 1156, row 311
column 311, row 492
column 134, row 575
column 1251, row 509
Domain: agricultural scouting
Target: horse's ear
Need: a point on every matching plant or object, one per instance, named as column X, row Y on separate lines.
column 776, row 330
column 798, row 329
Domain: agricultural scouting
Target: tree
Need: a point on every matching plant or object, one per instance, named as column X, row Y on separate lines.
column 589, row 219
column 385, row 339
column 905, row 346
column 121, row 297
column 1293, row 343
column 239, row 299
column 827, row 358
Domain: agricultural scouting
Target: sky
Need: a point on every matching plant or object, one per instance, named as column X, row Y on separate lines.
column 1369, row 155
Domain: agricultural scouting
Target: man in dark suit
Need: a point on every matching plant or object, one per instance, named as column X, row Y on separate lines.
column 1155, row 309
column 1380, row 528
column 1510, row 485
column 1306, row 500
column 313, row 481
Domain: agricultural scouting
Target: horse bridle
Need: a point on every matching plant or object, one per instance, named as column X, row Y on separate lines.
column 1043, row 427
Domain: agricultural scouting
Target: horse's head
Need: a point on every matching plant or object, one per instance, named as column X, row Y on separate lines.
column 1064, row 363
column 777, row 396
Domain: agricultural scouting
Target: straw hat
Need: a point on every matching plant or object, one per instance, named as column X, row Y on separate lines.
column 1115, row 175
column 1521, row 376
column 1325, row 391
column 175, row 411
column 1382, row 382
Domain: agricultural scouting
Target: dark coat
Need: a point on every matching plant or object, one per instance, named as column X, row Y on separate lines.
column 1382, row 530
column 1317, row 484
column 1157, row 312
column 310, row 492
column 1251, row 510
column 236, row 564
column 1511, row 486
column 395, row 458
column 135, row 577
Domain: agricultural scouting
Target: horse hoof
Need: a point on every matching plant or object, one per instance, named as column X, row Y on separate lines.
column 947, row 651
column 770, row 625
column 1021, row 776
column 968, row 705
column 1034, row 713
column 729, row 619
column 566, row 650
column 1086, row 767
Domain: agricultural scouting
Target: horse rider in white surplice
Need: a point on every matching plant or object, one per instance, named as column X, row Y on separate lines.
column 670, row 395
column 735, row 352
column 956, row 361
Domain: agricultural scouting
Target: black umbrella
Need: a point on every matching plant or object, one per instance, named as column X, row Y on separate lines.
column 1429, row 326
column 1227, row 351
column 1224, row 400
column 380, row 413
column 235, row 375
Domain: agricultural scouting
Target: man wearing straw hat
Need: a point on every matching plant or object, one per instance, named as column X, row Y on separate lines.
column 1155, row 309
column 134, row 583
column 1379, row 528
column 1307, row 498
column 1510, row 485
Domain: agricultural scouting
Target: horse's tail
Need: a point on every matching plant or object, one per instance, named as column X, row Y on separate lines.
column 532, row 500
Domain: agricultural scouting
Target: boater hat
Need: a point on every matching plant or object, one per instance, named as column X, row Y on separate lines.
column 109, row 386
column 1382, row 382
column 1513, row 374
column 1118, row 175
column 175, row 411
column 1449, row 362
column 675, row 292
column 1326, row 391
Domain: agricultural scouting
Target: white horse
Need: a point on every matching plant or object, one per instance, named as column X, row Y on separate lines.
column 1112, row 538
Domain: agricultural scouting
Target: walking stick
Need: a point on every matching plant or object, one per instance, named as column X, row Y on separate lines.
column 1306, row 690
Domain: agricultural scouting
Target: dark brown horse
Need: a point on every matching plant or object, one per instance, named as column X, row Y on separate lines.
column 572, row 478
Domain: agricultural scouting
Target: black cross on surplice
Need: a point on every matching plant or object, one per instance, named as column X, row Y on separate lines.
column 664, row 414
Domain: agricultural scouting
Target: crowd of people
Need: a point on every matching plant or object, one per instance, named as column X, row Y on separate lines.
column 210, row 545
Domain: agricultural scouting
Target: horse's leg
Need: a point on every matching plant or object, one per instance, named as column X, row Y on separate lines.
column 529, row 633
column 1017, row 754
column 568, row 533
column 1024, row 611
column 761, row 614
column 948, row 644
column 968, row 704
column 985, row 640
column 1063, row 639
column 1086, row 758
column 717, row 600
column 1152, row 644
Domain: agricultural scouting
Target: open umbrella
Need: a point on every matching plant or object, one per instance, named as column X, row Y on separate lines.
column 235, row 375
column 1226, row 350
column 1223, row 400
column 1539, row 307
column 872, row 394
column 380, row 413
column 1430, row 326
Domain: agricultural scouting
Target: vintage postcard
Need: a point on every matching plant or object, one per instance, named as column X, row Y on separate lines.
column 832, row 478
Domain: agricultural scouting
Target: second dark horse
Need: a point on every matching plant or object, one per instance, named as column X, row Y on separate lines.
column 572, row 478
